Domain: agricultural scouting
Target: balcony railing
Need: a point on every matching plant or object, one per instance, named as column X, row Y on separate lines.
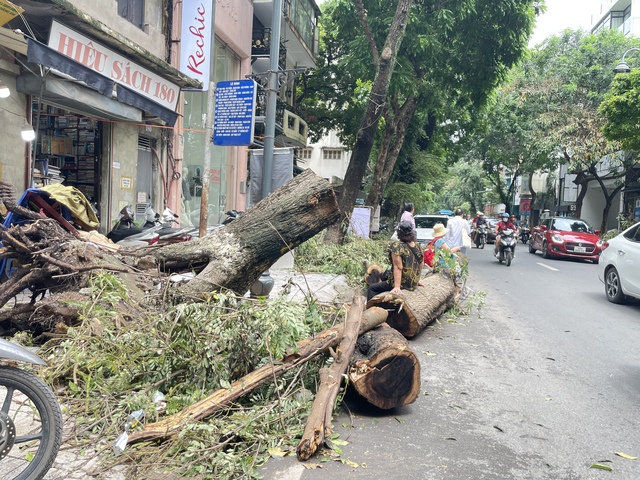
column 261, row 46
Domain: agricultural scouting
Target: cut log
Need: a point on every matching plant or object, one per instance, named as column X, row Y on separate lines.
column 411, row 311
column 319, row 422
column 305, row 351
column 235, row 256
column 384, row 370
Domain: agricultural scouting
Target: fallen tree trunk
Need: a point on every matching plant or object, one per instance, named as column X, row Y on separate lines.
column 235, row 256
column 305, row 351
column 384, row 370
column 411, row 311
column 319, row 422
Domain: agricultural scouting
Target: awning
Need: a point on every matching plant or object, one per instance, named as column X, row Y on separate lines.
column 39, row 53
column 72, row 96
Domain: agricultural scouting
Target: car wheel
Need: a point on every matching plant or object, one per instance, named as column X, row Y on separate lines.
column 612, row 286
column 531, row 249
column 545, row 250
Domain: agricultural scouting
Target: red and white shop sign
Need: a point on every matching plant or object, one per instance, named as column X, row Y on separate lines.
column 195, row 39
column 114, row 66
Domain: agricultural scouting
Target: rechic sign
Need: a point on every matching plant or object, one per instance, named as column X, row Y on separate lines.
column 195, row 39
column 112, row 65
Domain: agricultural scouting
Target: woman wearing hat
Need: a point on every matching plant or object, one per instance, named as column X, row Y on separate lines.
column 406, row 258
column 439, row 231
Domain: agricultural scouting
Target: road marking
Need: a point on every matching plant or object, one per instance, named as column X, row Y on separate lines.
column 547, row 266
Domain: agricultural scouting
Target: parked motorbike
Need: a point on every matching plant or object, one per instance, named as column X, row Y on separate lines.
column 30, row 418
column 231, row 216
column 126, row 233
column 506, row 246
column 163, row 226
column 525, row 234
column 480, row 236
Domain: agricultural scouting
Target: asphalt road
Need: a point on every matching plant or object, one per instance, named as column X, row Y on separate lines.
column 540, row 383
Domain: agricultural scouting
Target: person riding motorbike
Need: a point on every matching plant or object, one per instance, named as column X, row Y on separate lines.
column 503, row 224
column 477, row 221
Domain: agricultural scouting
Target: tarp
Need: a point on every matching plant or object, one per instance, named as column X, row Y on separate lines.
column 76, row 202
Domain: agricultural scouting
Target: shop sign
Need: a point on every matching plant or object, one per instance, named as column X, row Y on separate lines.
column 8, row 11
column 195, row 39
column 112, row 65
column 525, row 207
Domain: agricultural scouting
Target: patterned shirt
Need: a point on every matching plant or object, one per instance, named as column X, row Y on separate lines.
column 412, row 258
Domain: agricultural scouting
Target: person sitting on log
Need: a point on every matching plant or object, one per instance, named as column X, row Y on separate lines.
column 406, row 258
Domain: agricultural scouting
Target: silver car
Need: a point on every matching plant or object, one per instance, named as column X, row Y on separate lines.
column 424, row 226
column 620, row 265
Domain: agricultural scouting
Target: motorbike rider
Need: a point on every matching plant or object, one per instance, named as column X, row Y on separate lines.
column 477, row 221
column 503, row 224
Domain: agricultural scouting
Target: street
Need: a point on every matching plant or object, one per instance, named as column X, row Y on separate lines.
column 541, row 383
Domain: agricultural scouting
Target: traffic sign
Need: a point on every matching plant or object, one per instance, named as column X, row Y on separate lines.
column 234, row 114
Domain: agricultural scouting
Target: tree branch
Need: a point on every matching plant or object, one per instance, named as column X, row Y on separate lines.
column 362, row 18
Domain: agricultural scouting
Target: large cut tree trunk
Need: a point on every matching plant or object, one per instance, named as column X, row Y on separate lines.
column 305, row 351
column 319, row 422
column 234, row 256
column 384, row 370
column 411, row 311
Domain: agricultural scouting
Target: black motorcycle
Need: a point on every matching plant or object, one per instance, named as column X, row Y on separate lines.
column 525, row 234
column 506, row 246
column 480, row 236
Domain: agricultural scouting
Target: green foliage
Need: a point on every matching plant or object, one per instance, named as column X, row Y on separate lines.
column 348, row 259
column 621, row 107
column 110, row 365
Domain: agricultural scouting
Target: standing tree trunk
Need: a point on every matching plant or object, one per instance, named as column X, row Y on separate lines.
column 582, row 181
column 391, row 145
column 369, row 124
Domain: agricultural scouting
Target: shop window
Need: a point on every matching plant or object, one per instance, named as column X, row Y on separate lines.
column 132, row 10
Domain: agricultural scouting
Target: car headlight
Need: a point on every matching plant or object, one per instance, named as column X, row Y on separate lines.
column 557, row 238
column 599, row 244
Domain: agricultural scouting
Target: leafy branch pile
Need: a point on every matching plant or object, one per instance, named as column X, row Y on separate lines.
column 111, row 365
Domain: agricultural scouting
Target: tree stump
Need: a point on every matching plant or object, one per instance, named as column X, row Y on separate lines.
column 384, row 370
column 411, row 311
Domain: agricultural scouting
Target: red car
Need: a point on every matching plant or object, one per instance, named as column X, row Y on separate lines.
column 566, row 238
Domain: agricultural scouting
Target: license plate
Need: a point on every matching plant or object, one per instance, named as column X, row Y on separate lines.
column 580, row 249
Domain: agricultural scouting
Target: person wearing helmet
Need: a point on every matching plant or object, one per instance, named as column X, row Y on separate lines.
column 477, row 221
column 503, row 224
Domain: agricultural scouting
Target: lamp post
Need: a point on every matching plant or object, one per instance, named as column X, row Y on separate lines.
column 622, row 67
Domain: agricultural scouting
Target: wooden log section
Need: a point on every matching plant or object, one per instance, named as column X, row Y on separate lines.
column 306, row 350
column 384, row 370
column 411, row 311
column 319, row 422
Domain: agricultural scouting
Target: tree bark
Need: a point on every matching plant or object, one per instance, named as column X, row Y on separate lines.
column 305, row 351
column 411, row 311
column 395, row 131
column 384, row 370
column 319, row 422
column 369, row 124
column 234, row 256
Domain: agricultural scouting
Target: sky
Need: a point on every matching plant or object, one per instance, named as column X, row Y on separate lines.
column 562, row 14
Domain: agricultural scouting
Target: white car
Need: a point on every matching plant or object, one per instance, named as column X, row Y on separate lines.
column 620, row 265
column 424, row 226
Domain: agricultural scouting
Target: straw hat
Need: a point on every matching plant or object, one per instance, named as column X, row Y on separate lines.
column 439, row 229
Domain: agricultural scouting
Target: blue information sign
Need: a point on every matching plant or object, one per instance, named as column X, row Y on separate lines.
column 234, row 115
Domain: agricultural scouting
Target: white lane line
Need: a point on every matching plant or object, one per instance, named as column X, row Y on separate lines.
column 547, row 266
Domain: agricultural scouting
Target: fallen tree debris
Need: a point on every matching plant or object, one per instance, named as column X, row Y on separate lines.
column 411, row 311
column 384, row 370
column 319, row 422
column 305, row 351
